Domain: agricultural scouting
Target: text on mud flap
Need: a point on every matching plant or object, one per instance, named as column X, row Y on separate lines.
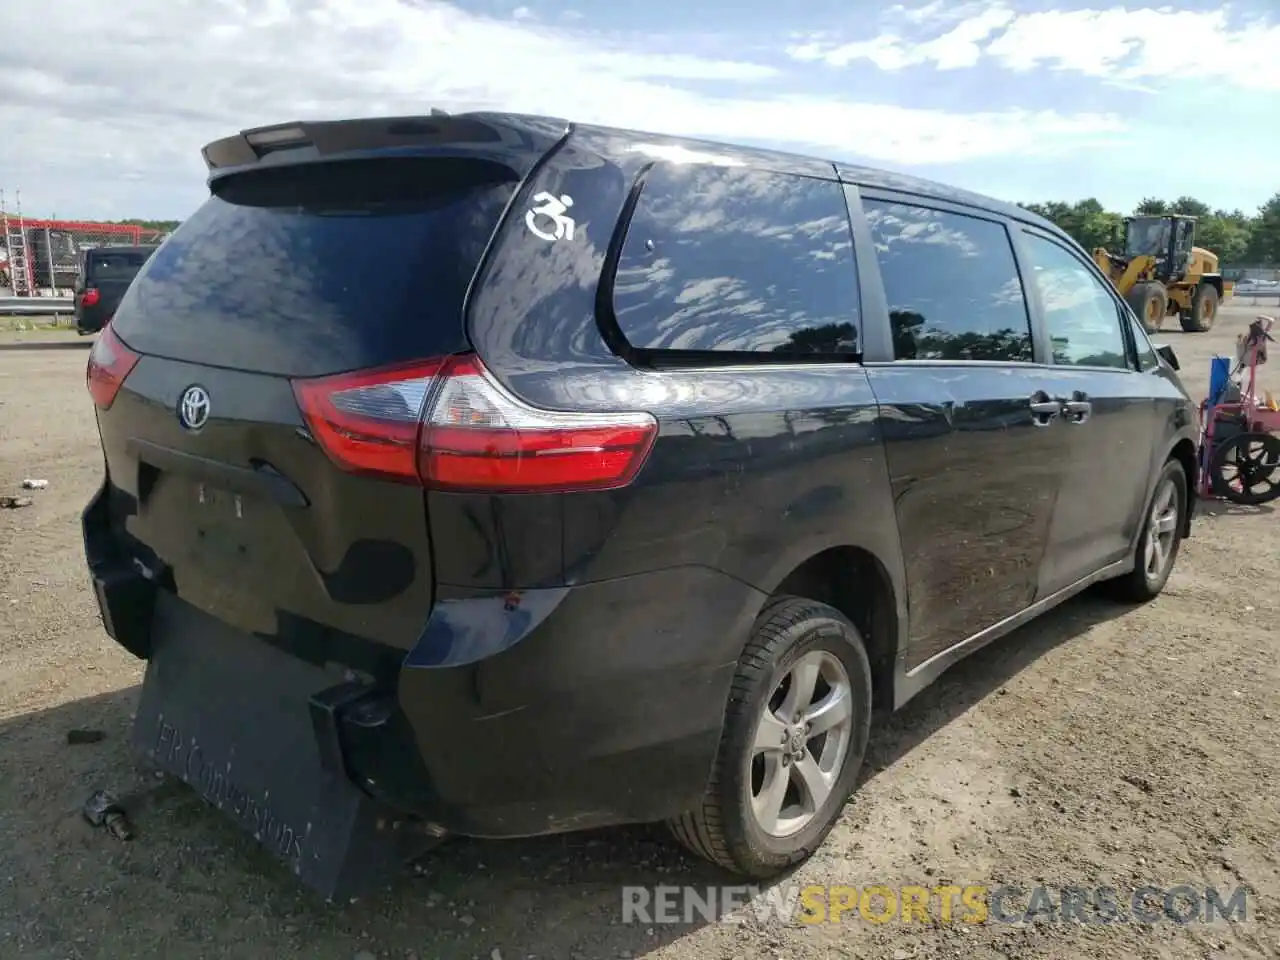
column 183, row 756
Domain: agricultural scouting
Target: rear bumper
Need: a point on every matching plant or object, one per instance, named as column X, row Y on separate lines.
column 608, row 710
column 515, row 715
column 91, row 319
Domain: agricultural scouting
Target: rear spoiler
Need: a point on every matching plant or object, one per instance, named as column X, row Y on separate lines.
column 513, row 140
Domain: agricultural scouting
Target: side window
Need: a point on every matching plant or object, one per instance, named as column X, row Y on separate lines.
column 952, row 285
column 738, row 260
column 1148, row 359
column 1082, row 316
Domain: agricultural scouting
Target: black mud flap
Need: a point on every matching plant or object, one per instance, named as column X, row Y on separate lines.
column 228, row 713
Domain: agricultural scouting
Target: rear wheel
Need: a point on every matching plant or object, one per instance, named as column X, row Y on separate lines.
column 1149, row 302
column 1159, row 541
column 1204, row 309
column 794, row 736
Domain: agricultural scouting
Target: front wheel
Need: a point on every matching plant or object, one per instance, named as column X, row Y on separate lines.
column 1150, row 302
column 794, row 736
column 1159, row 540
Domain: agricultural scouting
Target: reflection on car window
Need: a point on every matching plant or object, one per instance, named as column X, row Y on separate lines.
column 307, row 269
column 731, row 259
column 952, row 285
column 1082, row 317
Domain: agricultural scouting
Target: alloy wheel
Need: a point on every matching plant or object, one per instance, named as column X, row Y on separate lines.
column 1162, row 528
column 800, row 744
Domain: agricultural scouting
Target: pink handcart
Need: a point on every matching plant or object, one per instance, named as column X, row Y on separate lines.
column 1239, row 449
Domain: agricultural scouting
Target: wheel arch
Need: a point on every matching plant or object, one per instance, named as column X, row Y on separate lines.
column 856, row 582
column 1182, row 449
column 1214, row 280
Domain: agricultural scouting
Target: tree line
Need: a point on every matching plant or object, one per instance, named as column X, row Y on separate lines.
column 163, row 226
column 1238, row 238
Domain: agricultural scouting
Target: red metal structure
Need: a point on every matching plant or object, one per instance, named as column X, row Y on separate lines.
column 123, row 233
column 42, row 256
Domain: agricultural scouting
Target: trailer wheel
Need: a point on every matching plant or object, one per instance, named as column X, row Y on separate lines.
column 1149, row 302
column 1243, row 468
column 1204, row 309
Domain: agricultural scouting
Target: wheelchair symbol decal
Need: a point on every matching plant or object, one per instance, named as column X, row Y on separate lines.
column 550, row 207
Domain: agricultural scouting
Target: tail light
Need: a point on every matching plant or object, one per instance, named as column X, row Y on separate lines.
column 110, row 361
column 90, row 297
column 448, row 425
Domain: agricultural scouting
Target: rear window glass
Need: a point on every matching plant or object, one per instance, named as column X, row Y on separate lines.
column 303, row 271
column 732, row 260
column 114, row 264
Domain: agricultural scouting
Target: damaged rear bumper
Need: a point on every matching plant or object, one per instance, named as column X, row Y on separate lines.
column 514, row 715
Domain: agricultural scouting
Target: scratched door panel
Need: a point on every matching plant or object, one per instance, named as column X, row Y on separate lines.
column 974, row 481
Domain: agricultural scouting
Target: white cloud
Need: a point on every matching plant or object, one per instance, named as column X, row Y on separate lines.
column 151, row 81
column 957, row 48
column 1140, row 45
column 522, row 13
column 1117, row 43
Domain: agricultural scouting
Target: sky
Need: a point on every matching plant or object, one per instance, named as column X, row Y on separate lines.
column 104, row 106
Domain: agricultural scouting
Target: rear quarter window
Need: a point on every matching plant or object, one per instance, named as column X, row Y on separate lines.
column 737, row 261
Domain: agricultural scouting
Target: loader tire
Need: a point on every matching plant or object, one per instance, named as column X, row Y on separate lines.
column 1149, row 302
column 1204, row 309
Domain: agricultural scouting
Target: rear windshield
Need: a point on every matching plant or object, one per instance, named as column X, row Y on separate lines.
column 302, row 271
column 114, row 264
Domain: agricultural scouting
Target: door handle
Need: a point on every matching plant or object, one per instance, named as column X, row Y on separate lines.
column 1078, row 408
column 1044, row 409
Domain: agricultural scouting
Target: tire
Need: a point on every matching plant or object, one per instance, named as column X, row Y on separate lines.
column 1140, row 585
column 1259, row 467
column 1149, row 301
column 1204, row 309
column 725, row 829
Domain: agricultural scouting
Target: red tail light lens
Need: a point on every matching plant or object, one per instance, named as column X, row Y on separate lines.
column 370, row 422
column 479, row 437
column 110, row 361
column 90, row 297
column 449, row 425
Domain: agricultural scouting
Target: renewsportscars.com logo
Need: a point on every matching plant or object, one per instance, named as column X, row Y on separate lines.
column 972, row 904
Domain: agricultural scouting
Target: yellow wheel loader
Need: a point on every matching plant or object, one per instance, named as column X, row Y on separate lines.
column 1161, row 271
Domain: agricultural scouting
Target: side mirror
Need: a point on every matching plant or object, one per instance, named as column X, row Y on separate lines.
column 1167, row 354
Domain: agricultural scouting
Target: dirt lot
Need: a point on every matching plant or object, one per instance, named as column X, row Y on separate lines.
column 1098, row 746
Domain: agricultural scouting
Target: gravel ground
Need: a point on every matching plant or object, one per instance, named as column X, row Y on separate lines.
column 1097, row 746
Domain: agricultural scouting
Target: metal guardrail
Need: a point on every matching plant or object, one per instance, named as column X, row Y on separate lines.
column 35, row 306
column 1256, row 297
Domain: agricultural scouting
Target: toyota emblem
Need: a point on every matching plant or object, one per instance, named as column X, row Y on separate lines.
column 193, row 409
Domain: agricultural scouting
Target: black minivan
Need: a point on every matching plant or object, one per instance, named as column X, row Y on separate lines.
column 495, row 475
column 105, row 274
